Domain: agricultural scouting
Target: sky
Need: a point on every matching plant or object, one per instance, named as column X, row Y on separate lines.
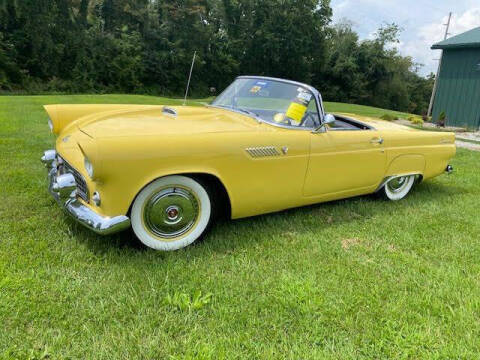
column 421, row 21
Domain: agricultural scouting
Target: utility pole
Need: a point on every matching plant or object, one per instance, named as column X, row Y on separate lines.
column 434, row 91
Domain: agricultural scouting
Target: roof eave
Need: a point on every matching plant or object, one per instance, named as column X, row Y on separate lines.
column 455, row 46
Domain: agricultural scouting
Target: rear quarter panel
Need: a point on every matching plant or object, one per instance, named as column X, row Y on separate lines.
column 418, row 152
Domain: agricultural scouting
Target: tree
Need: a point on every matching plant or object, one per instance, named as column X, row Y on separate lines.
column 147, row 46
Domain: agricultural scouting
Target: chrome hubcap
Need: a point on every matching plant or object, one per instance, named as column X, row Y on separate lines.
column 171, row 212
column 397, row 184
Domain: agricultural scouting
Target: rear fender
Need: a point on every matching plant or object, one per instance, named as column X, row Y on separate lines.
column 406, row 165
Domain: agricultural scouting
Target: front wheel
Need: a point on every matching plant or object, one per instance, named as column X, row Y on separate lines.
column 171, row 213
column 398, row 187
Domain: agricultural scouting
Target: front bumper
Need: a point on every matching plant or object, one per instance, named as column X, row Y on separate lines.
column 62, row 186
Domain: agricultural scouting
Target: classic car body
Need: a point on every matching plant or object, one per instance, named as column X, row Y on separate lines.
column 256, row 166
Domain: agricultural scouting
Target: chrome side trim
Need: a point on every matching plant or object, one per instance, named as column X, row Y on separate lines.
column 264, row 151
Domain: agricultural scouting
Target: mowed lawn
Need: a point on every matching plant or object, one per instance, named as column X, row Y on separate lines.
column 354, row 279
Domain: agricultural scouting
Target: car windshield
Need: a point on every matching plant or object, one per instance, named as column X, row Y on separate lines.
column 273, row 101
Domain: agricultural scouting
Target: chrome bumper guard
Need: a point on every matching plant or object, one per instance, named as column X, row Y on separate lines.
column 63, row 189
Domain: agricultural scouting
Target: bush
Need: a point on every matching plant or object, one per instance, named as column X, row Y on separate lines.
column 388, row 117
column 415, row 120
column 442, row 119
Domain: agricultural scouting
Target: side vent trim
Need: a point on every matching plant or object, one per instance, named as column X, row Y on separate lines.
column 265, row 151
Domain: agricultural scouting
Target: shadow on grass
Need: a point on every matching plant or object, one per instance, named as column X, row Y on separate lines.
column 298, row 220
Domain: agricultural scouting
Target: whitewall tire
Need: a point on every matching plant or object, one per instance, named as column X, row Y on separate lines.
column 171, row 213
column 398, row 187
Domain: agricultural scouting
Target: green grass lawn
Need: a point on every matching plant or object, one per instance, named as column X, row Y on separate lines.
column 352, row 279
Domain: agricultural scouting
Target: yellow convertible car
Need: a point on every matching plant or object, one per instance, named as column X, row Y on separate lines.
column 263, row 145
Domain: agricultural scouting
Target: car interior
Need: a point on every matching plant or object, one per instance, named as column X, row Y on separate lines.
column 347, row 124
column 311, row 121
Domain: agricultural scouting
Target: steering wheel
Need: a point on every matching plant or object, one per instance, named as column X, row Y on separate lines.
column 280, row 118
column 307, row 116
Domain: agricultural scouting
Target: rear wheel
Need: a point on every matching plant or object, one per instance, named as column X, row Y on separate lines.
column 398, row 187
column 171, row 213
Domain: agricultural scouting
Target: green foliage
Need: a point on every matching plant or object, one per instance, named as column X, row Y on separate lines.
column 146, row 46
column 442, row 119
column 415, row 120
column 372, row 72
column 184, row 302
column 388, row 117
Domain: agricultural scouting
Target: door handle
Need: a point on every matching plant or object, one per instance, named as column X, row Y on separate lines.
column 376, row 141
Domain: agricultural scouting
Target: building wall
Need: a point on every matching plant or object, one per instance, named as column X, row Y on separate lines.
column 458, row 92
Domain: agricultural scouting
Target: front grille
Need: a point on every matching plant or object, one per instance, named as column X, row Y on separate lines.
column 82, row 190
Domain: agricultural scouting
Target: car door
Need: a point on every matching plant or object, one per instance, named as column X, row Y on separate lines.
column 344, row 161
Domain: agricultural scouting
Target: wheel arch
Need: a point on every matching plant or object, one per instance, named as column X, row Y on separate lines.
column 418, row 179
column 408, row 164
column 215, row 186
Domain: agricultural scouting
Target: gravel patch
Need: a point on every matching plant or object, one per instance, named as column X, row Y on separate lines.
column 474, row 136
column 467, row 145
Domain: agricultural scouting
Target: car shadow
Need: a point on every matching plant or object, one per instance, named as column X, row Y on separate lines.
column 301, row 220
column 326, row 215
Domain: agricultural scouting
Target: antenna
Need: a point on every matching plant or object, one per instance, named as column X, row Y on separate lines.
column 189, row 77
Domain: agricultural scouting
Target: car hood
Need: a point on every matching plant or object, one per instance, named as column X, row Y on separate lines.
column 163, row 120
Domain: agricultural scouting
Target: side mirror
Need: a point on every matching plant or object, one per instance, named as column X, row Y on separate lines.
column 327, row 119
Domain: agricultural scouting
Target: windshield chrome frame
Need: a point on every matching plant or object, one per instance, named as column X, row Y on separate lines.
column 315, row 92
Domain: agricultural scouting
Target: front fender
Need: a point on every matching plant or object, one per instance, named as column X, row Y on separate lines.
column 129, row 164
column 187, row 171
column 66, row 114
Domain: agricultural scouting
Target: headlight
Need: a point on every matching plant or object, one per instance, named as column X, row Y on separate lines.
column 50, row 124
column 88, row 167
